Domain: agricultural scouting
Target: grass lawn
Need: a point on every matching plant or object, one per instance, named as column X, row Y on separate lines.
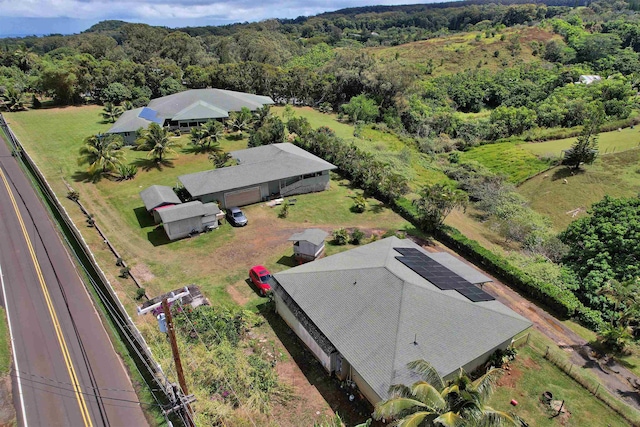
column 617, row 175
column 5, row 345
column 404, row 158
column 531, row 375
column 506, row 158
column 608, row 142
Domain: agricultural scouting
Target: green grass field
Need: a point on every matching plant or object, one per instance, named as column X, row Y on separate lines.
column 401, row 155
column 531, row 375
column 617, row 175
column 506, row 158
column 608, row 142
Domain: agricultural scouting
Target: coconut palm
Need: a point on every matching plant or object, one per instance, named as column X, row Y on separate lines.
column 434, row 402
column 102, row 153
column 157, row 140
column 208, row 135
column 240, row 121
column 111, row 112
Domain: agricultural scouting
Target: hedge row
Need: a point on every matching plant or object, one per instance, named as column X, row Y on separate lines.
column 561, row 301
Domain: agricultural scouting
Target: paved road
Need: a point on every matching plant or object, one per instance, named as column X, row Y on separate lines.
column 65, row 370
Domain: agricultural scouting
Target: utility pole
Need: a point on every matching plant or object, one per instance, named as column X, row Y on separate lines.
column 176, row 359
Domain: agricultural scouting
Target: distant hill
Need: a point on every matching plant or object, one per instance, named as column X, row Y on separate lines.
column 109, row 25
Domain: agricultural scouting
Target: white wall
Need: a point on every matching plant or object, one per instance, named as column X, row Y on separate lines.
column 179, row 229
column 301, row 332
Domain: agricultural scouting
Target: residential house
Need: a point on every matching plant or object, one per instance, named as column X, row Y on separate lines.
column 184, row 110
column 367, row 312
column 189, row 218
column 156, row 197
column 275, row 170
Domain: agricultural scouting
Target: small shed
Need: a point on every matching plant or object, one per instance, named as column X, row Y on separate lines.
column 309, row 244
column 212, row 216
column 158, row 196
column 182, row 220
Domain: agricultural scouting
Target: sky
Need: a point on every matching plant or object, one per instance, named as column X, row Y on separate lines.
column 41, row 17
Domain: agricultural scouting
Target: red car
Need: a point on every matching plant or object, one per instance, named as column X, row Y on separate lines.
column 260, row 277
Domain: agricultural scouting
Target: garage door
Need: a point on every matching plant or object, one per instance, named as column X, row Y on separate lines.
column 242, row 197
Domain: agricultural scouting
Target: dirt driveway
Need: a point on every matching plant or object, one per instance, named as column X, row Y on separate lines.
column 610, row 374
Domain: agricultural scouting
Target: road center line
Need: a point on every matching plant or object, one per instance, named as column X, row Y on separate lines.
column 84, row 410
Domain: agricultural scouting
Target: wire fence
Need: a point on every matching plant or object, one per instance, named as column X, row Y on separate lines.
column 132, row 338
column 582, row 377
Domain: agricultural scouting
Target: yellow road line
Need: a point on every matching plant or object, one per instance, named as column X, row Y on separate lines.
column 84, row 410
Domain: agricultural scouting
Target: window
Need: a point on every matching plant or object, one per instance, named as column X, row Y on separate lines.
column 127, row 134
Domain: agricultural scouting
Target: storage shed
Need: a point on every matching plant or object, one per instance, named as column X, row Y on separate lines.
column 185, row 219
column 158, row 196
column 309, row 244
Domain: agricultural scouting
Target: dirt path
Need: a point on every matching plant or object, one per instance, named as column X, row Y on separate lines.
column 611, row 374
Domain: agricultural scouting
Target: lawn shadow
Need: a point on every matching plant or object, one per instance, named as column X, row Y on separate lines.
column 158, row 237
column 192, row 149
column 287, row 261
column 149, row 164
column 329, row 387
column 564, row 173
column 253, row 287
column 83, row 176
column 377, row 208
column 145, row 219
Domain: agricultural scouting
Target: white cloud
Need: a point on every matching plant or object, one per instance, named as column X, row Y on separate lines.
column 150, row 10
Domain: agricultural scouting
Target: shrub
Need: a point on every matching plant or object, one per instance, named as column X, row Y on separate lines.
column 284, row 211
column 140, row 293
column 126, row 172
column 357, row 236
column 359, row 204
column 340, row 236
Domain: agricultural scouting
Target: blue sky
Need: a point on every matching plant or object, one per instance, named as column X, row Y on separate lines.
column 26, row 17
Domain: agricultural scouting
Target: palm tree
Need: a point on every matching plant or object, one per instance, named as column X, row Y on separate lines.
column 156, row 139
column 102, row 153
column 434, row 402
column 210, row 133
column 240, row 121
column 111, row 112
column 13, row 99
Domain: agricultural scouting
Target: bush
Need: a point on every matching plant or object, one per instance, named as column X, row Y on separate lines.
column 357, row 236
column 284, row 211
column 340, row 236
column 140, row 293
column 359, row 204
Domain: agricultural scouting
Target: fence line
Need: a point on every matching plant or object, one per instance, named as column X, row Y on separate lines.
column 122, row 320
column 592, row 385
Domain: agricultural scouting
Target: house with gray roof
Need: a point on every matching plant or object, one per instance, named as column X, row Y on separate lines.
column 184, row 110
column 367, row 312
column 188, row 218
column 275, row 170
column 158, row 196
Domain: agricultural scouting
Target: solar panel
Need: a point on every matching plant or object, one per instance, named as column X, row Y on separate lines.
column 436, row 273
column 151, row 115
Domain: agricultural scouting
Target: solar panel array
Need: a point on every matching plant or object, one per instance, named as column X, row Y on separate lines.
column 440, row 275
column 151, row 115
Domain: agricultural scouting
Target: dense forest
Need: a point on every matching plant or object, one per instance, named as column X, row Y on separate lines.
column 334, row 62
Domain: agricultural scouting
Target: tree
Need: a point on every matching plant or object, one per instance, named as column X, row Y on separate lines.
column 102, row 153
column 210, row 134
column 585, row 149
column 115, row 93
column 13, row 99
column 240, row 121
column 436, row 202
column 111, row 112
column 271, row 132
column 157, row 140
column 432, row 401
column 361, row 108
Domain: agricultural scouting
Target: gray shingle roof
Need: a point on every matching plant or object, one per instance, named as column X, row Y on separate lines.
column 194, row 104
column 183, row 211
column 257, row 165
column 371, row 307
column 312, row 235
column 158, row 195
column 211, row 209
column 129, row 122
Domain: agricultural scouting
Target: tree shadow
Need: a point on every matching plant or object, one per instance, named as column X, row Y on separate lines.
column 145, row 219
column 150, row 164
column 287, row 261
column 564, row 172
column 377, row 208
column 193, row 149
column 630, row 394
column 158, row 237
column 331, row 388
column 83, row 176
